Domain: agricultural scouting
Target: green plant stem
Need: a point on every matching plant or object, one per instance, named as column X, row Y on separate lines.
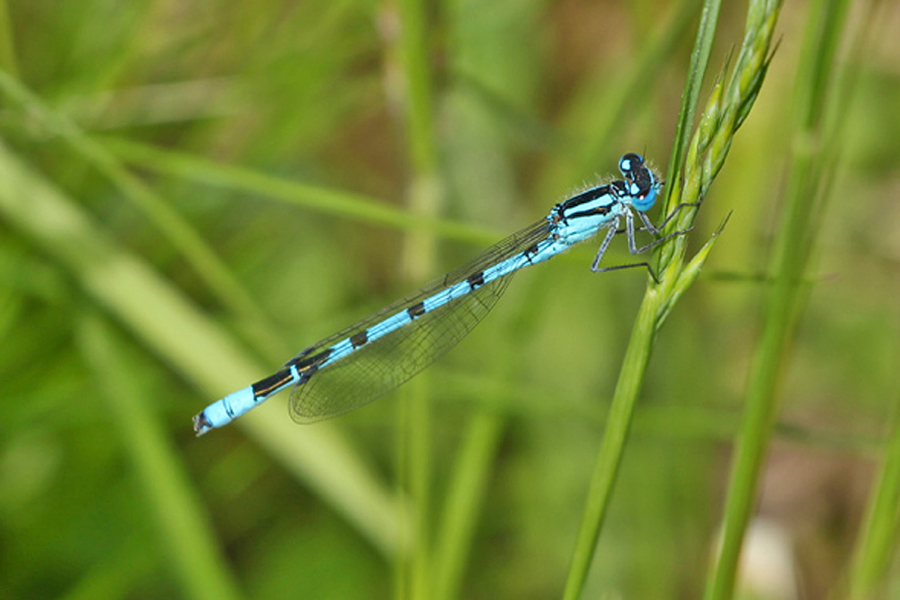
column 424, row 199
column 8, row 60
column 881, row 525
column 180, row 233
column 348, row 206
column 618, row 423
column 759, row 420
column 706, row 35
column 726, row 110
column 173, row 505
column 466, row 492
column 176, row 330
column 785, row 298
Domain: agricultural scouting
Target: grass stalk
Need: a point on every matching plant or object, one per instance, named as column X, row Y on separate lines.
column 348, row 206
column 785, row 299
column 614, row 438
column 706, row 34
column 415, row 98
column 881, row 525
column 173, row 504
column 175, row 228
column 727, row 108
column 469, row 482
column 206, row 356
column 8, row 60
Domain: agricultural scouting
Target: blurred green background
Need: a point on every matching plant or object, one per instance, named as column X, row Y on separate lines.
column 192, row 192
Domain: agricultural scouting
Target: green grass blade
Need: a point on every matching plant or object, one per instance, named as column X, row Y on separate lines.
column 8, row 60
column 881, row 525
column 466, row 493
column 706, row 34
column 614, row 438
column 786, row 297
column 193, row 345
column 425, row 198
column 173, row 504
column 324, row 200
column 207, row 265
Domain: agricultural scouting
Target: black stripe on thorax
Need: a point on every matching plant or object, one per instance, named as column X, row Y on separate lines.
column 586, row 196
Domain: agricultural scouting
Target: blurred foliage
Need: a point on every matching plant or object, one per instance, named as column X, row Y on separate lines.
column 190, row 192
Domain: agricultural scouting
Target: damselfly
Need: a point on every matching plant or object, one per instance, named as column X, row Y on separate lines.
column 376, row 355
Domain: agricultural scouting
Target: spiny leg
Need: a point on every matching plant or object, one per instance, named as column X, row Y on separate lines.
column 632, row 246
column 610, row 234
column 658, row 241
column 630, row 266
column 669, row 217
column 650, row 227
column 629, row 229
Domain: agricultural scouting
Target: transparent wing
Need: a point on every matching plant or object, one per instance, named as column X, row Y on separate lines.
column 389, row 361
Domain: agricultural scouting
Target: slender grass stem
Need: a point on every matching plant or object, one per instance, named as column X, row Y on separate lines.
column 425, row 198
column 806, row 192
column 881, row 525
column 187, row 533
column 173, row 226
column 176, row 330
column 728, row 106
column 615, row 436
column 8, row 61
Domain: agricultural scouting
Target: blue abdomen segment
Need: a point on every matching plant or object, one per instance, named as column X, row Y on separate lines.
column 232, row 406
column 224, row 411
